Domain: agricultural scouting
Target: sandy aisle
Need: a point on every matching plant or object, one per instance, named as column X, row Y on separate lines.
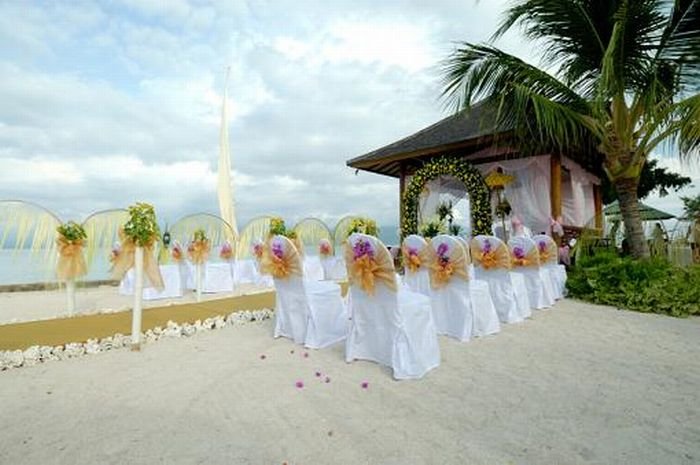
column 577, row 385
column 17, row 307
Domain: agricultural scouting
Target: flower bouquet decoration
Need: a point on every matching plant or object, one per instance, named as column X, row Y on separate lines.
column 497, row 181
column 258, row 250
column 547, row 250
column 279, row 228
column 490, row 257
column 71, row 262
column 522, row 258
column 283, row 260
column 448, row 263
column 363, row 226
column 199, row 248
column 177, row 254
column 71, row 240
column 325, row 248
column 226, row 251
column 367, row 267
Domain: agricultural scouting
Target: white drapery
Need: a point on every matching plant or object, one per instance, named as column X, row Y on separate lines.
column 578, row 206
column 441, row 190
column 528, row 194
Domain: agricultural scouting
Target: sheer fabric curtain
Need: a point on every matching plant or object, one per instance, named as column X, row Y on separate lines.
column 528, row 194
column 578, row 206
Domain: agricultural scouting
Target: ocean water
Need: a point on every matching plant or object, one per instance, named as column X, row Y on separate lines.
column 25, row 266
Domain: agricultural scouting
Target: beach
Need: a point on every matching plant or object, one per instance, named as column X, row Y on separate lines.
column 578, row 384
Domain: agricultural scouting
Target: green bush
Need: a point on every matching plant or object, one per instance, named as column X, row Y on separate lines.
column 652, row 286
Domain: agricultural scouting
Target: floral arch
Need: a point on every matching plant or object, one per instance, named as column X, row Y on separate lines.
column 448, row 166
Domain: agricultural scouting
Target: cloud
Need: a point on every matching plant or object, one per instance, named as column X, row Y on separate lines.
column 106, row 103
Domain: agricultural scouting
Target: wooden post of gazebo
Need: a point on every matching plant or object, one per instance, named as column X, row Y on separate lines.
column 402, row 189
column 598, row 206
column 555, row 185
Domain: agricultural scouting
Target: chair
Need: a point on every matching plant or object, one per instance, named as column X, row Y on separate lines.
column 417, row 259
column 390, row 326
column 549, row 260
column 454, row 311
column 508, row 291
column 309, row 313
column 526, row 262
column 485, row 315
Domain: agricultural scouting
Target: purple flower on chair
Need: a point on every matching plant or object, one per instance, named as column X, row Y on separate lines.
column 412, row 251
column 518, row 252
column 486, row 247
column 362, row 248
column 443, row 253
column 542, row 245
column 277, row 249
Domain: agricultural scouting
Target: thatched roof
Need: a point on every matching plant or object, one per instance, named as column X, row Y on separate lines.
column 468, row 128
column 461, row 134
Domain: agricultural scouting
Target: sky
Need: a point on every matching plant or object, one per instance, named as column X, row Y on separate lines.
column 105, row 103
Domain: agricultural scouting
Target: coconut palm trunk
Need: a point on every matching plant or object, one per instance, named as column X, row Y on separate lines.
column 629, row 207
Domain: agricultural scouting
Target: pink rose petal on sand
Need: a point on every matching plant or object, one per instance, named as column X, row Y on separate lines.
column 263, row 357
column 306, row 355
column 291, row 351
column 328, row 379
column 299, row 384
column 364, row 384
column 318, row 374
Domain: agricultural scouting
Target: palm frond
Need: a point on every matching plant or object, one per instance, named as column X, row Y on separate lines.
column 680, row 42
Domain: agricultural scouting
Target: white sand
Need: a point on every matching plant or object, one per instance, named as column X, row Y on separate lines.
column 17, row 307
column 579, row 384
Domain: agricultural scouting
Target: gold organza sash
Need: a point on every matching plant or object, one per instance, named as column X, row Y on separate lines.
column 415, row 259
column 547, row 251
column 71, row 263
column 369, row 269
column 198, row 251
column 126, row 258
column 494, row 257
column 445, row 266
column 281, row 261
column 531, row 258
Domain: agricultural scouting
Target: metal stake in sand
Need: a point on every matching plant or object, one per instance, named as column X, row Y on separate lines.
column 138, row 300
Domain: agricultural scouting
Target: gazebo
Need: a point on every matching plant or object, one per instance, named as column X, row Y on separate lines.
column 453, row 157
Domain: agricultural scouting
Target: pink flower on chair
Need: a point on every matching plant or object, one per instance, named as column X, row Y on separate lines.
column 258, row 249
column 486, row 247
column 226, row 252
column 518, row 252
column 324, row 248
column 362, row 248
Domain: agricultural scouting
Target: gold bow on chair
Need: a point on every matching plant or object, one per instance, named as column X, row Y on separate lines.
column 370, row 268
column 125, row 261
column 281, row 262
column 491, row 258
column 547, row 251
column 415, row 259
column 445, row 266
column 71, row 263
column 532, row 258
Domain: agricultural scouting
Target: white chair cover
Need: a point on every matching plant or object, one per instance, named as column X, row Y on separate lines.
column 334, row 268
column 392, row 328
column 217, row 278
column 485, row 315
column 551, row 264
column 508, row 290
column 309, row 313
column 172, row 280
column 313, row 270
column 418, row 280
column 454, row 311
column 526, row 262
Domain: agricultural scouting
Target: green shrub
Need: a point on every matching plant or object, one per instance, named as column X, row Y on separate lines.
column 652, row 286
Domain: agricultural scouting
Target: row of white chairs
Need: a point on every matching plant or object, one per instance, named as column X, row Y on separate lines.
column 396, row 324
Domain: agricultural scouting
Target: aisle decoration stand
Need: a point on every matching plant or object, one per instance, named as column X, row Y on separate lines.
column 497, row 180
column 138, row 238
column 198, row 252
column 71, row 262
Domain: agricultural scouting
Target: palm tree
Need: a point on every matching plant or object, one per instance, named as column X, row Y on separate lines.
column 618, row 77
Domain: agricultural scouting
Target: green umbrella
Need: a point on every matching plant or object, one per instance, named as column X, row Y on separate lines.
column 647, row 213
